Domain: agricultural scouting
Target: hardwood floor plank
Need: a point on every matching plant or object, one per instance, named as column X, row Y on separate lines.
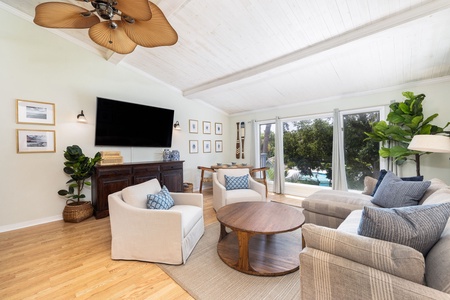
column 61, row 260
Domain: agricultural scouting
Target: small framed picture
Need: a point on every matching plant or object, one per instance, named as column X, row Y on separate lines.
column 193, row 126
column 206, row 127
column 206, row 146
column 218, row 128
column 34, row 112
column 218, row 146
column 193, row 146
column 35, row 141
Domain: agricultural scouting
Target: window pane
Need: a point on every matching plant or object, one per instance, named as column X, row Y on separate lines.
column 308, row 146
column 361, row 156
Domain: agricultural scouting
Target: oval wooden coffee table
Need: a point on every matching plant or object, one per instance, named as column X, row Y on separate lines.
column 261, row 241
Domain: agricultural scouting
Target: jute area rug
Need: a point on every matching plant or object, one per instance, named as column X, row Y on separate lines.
column 205, row 276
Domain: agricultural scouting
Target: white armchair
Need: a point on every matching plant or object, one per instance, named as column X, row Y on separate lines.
column 222, row 196
column 164, row 236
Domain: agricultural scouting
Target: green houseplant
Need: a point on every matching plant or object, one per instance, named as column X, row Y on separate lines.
column 404, row 121
column 80, row 168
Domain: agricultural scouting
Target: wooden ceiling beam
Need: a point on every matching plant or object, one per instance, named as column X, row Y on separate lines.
column 383, row 24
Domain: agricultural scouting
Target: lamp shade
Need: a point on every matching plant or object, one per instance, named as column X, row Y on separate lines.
column 430, row 143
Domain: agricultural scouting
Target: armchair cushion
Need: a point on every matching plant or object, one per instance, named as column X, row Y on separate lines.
column 395, row 259
column 394, row 192
column 161, row 200
column 236, row 182
column 419, row 227
column 136, row 195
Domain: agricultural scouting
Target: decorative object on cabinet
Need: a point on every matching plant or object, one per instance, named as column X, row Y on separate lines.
column 81, row 117
column 193, row 146
column 219, row 146
column 174, row 155
column 166, row 155
column 218, row 128
column 206, row 127
column 193, row 126
column 111, row 158
column 36, row 141
column 110, row 179
column 207, row 146
column 35, row 112
column 80, row 168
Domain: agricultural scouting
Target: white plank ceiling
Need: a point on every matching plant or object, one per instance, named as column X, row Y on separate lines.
column 246, row 55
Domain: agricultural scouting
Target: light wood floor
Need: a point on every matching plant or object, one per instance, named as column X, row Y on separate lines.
column 62, row 260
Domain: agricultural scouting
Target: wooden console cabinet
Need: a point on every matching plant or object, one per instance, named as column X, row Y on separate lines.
column 110, row 179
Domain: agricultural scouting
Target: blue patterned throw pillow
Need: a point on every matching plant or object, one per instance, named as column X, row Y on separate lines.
column 394, row 192
column 162, row 200
column 236, row 183
column 418, row 227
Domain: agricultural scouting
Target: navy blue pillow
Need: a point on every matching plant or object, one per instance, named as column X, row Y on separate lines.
column 384, row 172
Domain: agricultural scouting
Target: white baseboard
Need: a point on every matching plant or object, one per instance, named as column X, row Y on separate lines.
column 29, row 223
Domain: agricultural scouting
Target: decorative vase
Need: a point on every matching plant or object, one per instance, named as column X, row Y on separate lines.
column 77, row 211
column 175, row 155
column 166, row 155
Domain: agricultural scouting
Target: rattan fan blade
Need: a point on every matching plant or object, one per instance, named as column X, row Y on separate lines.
column 113, row 39
column 63, row 15
column 153, row 33
column 137, row 9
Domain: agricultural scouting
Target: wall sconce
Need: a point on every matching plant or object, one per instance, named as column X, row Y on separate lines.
column 81, row 118
column 177, row 126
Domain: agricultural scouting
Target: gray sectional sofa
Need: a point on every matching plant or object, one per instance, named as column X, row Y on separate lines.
column 337, row 263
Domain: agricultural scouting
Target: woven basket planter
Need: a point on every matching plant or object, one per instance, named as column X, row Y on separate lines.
column 77, row 212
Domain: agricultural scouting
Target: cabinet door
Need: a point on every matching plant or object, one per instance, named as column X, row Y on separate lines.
column 173, row 180
column 145, row 173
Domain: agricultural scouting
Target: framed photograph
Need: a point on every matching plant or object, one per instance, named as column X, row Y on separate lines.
column 219, row 146
column 218, row 128
column 34, row 112
column 35, row 141
column 193, row 146
column 206, row 127
column 193, row 126
column 206, row 146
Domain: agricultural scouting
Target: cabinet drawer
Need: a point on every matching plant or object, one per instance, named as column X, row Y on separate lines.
column 112, row 171
column 174, row 166
column 146, row 169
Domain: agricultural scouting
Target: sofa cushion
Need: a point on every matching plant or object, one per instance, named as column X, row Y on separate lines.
column 236, row 182
column 335, row 203
column 437, row 262
column 247, row 195
column 369, row 185
column 395, row 259
column 161, row 200
column 351, row 223
column 436, row 185
column 136, row 195
column 394, row 192
column 419, row 227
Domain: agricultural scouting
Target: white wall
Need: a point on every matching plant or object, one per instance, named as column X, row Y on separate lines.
column 39, row 65
column 436, row 101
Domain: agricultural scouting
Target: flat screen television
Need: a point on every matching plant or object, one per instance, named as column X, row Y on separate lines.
column 121, row 123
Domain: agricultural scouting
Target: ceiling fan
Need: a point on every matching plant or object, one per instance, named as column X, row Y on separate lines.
column 119, row 25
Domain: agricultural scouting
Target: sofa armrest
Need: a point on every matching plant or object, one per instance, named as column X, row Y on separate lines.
column 194, row 199
column 219, row 193
column 392, row 258
column 258, row 187
column 327, row 276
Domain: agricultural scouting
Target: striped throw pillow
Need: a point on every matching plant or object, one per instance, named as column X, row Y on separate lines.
column 418, row 227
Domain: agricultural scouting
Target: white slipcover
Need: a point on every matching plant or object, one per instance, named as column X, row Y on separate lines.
column 164, row 236
column 222, row 197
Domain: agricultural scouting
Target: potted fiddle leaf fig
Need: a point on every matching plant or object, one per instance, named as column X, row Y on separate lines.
column 80, row 168
column 404, row 121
